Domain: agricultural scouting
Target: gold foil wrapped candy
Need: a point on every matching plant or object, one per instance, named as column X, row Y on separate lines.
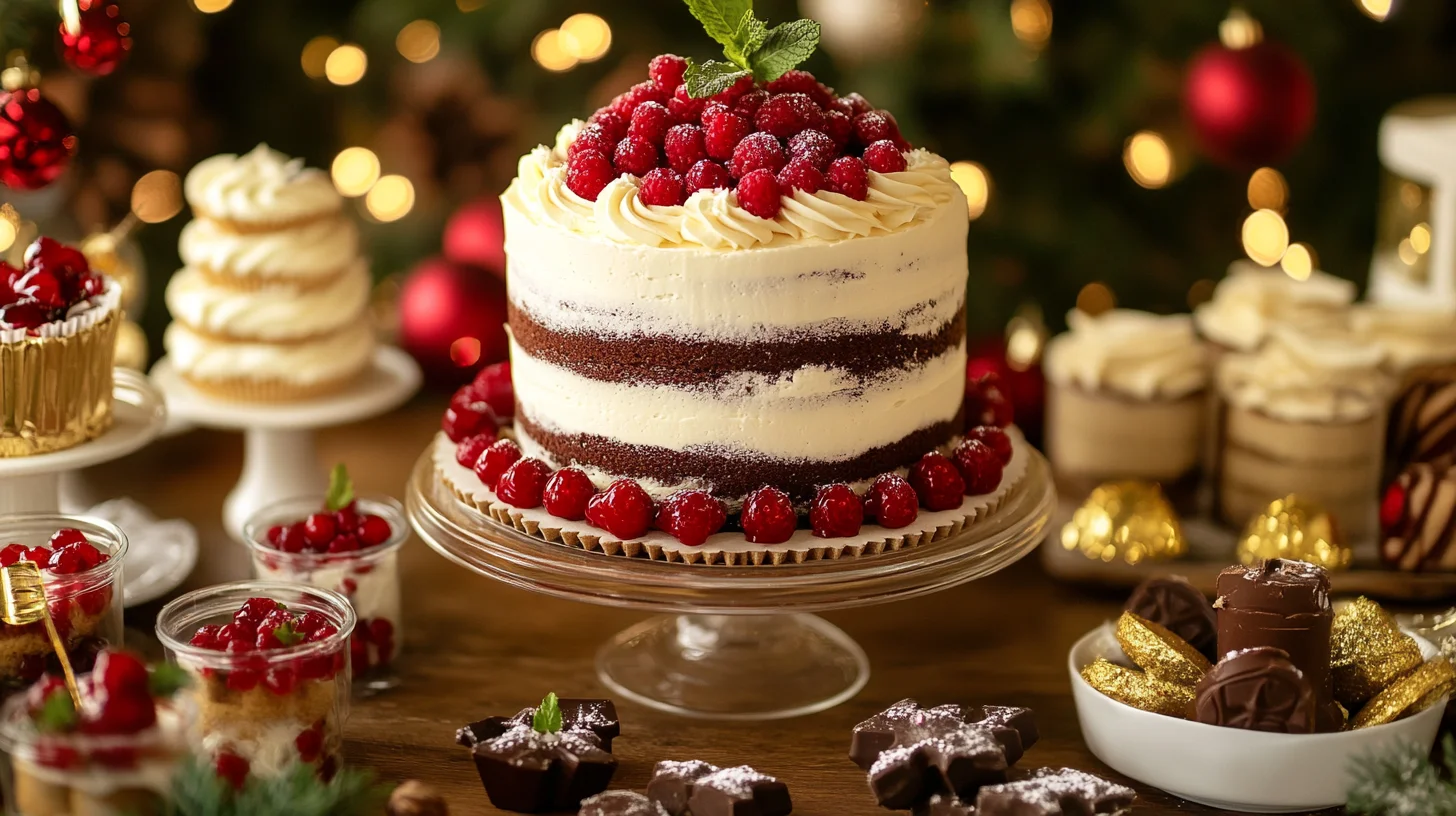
column 1409, row 695
column 1368, row 652
column 1159, row 652
column 1138, row 690
column 1296, row 529
column 1128, row 520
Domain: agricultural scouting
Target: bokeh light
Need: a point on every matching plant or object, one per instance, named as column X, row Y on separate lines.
column 551, row 53
column 211, row 6
column 1298, row 261
column 419, row 41
column 157, row 196
column 316, row 55
column 355, row 171
column 468, row 6
column 8, row 232
column 1407, row 252
column 1268, row 190
column 1376, row 9
column 465, row 351
column 1239, row 30
column 1265, row 236
column 975, row 183
column 1148, row 159
column 1031, row 21
column 391, row 198
column 586, row 37
column 346, row 65
column 1096, row 298
column 1420, row 238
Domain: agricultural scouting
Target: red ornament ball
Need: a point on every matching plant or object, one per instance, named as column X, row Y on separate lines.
column 452, row 319
column 101, row 40
column 476, row 235
column 1249, row 106
column 36, row 140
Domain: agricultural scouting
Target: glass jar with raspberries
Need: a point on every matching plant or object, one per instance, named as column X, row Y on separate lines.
column 270, row 664
column 116, row 754
column 349, row 545
column 80, row 562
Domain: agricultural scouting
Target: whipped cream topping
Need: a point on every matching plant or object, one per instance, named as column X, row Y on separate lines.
column 1302, row 376
column 1252, row 300
column 261, row 186
column 1132, row 353
column 315, row 249
column 304, row 364
column 1409, row 337
column 271, row 313
column 713, row 219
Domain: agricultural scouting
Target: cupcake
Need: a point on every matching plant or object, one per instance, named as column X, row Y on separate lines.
column 1125, row 400
column 58, row 323
column 272, row 305
column 1305, row 415
column 1251, row 300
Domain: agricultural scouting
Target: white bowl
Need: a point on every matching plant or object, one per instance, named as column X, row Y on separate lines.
column 1230, row 768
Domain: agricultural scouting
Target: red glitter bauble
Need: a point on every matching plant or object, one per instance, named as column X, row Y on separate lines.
column 1249, row 107
column 452, row 319
column 100, row 42
column 36, row 140
column 476, row 235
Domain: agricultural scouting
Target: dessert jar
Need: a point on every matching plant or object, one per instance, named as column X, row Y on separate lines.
column 261, row 710
column 85, row 605
column 368, row 577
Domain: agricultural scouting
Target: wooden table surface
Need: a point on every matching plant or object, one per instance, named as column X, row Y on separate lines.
column 475, row 647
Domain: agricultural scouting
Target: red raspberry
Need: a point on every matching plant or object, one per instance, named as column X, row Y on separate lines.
column 347, row 516
column 724, row 133
column 27, row 314
column 853, row 104
column 758, row 151
column 42, row 286
column 12, row 554
column 759, row 194
column 836, row 512
column 588, row 173
column 801, row 174
column 979, row 466
column 319, row 529
column 786, row 115
column 849, row 176
column 468, row 452
column 748, row 104
column 467, row 416
column 310, row 743
column 684, row 108
column 872, row 127
column 884, row 157
column 667, row 70
column 937, row 482
column 624, row 510
column 493, row 385
column 612, row 124
column 708, row 175
column 592, row 137
column 650, row 123
column 373, row 531
column 803, row 82
column 567, row 493
column 647, row 91
column 292, row 539
column 121, row 672
column 65, row 562
column 206, row 637
column 814, row 146
column 986, row 403
column 739, row 88
column 691, row 516
column 684, row 147
column 768, row 516
column 892, row 501
column 495, row 461
column 232, row 769
column 993, row 438
column 1392, row 508
column 712, row 110
column 663, row 187
column 523, row 483
column 634, row 156
column 66, row 535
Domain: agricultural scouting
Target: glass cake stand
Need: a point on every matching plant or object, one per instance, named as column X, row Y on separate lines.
column 733, row 643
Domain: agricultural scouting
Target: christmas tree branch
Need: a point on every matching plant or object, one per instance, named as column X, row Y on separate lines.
column 1405, row 782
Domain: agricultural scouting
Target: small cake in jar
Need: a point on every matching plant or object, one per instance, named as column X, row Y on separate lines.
column 1251, row 301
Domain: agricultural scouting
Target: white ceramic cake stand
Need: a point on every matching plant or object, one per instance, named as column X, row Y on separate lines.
column 735, row 643
column 32, row 484
column 280, row 460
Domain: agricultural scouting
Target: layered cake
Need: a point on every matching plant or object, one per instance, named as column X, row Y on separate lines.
column 272, row 303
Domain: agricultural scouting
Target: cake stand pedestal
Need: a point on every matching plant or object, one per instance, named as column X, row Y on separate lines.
column 280, row 459
column 735, row 643
column 32, row 484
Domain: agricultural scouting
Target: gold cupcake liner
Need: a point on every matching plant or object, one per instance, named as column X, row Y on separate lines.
column 56, row 392
column 274, row 391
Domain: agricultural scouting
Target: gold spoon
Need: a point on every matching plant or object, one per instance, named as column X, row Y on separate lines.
column 25, row 603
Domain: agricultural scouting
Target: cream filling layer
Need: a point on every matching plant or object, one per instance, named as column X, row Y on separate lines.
column 813, row 414
column 315, row 249
column 328, row 358
column 261, row 186
column 272, row 313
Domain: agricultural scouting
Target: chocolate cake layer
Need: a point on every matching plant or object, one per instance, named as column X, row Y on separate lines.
column 729, row 474
column 695, row 362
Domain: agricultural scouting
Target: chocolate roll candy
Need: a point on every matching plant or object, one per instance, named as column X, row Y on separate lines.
column 595, row 715
column 1285, row 605
column 620, row 803
column 1054, row 792
column 1256, row 689
column 526, row 771
column 1180, row 608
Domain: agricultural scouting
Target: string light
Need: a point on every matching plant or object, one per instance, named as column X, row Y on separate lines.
column 316, row 56
column 1298, row 261
column 211, row 6
column 1239, row 30
column 1148, row 159
column 391, row 198
column 1410, row 195
column 346, row 65
column 1268, row 190
column 1096, row 298
column 1375, row 9
column 1031, row 22
column 1266, row 236
column 1420, row 238
column 975, row 183
column 550, row 53
column 586, row 37
column 355, row 171
column 157, row 196
column 419, row 41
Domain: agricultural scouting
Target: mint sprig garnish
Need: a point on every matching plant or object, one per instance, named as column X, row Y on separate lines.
column 287, row 635
column 752, row 48
column 57, row 714
column 547, row 718
column 341, row 489
column 167, row 679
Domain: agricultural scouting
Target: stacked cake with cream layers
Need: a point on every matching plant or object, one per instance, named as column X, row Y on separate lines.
column 700, row 346
column 272, row 303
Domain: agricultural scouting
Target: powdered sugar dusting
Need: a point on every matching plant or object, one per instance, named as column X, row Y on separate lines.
column 736, row 782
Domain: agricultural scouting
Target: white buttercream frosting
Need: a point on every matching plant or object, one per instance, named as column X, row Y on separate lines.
column 261, row 186
column 276, row 312
column 315, row 249
column 1303, row 376
column 1409, row 337
column 329, row 358
column 1252, row 300
column 1131, row 353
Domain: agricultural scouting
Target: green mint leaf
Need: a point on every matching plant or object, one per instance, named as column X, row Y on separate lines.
column 748, row 37
column 711, row 78
column 548, row 715
column 57, row 714
column 167, row 679
column 287, row 635
column 720, row 18
column 785, row 48
column 341, row 489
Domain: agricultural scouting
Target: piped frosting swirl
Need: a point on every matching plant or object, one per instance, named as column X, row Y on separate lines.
column 262, row 187
column 1299, row 376
column 1124, row 351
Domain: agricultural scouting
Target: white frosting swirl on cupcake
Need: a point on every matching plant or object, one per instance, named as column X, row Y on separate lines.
column 271, row 313
column 1129, row 353
column 1301, row 376
column 1410, row 338
column 301, row 364
column 1252, row 300
column 315, row 249
column 261, row 187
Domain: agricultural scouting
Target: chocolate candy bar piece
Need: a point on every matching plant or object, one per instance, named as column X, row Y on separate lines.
column 595, row 715
column 530, row 772
column 1284, row 604
column 1256, row 689
column 942, row 805
column 620, row 803
column 1177, row 605
column 672, row 783
column 1054, row 792
column 936, row 755
column 1014, row 728
column 739, row 791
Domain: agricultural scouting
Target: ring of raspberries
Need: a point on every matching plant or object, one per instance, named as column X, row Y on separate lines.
column 761, row 140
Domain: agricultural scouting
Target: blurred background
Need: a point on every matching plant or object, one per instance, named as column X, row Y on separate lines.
column 1075, row 127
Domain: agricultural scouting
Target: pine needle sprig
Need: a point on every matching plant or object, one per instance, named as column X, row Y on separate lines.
column 198, row 791
column 1404, row 782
